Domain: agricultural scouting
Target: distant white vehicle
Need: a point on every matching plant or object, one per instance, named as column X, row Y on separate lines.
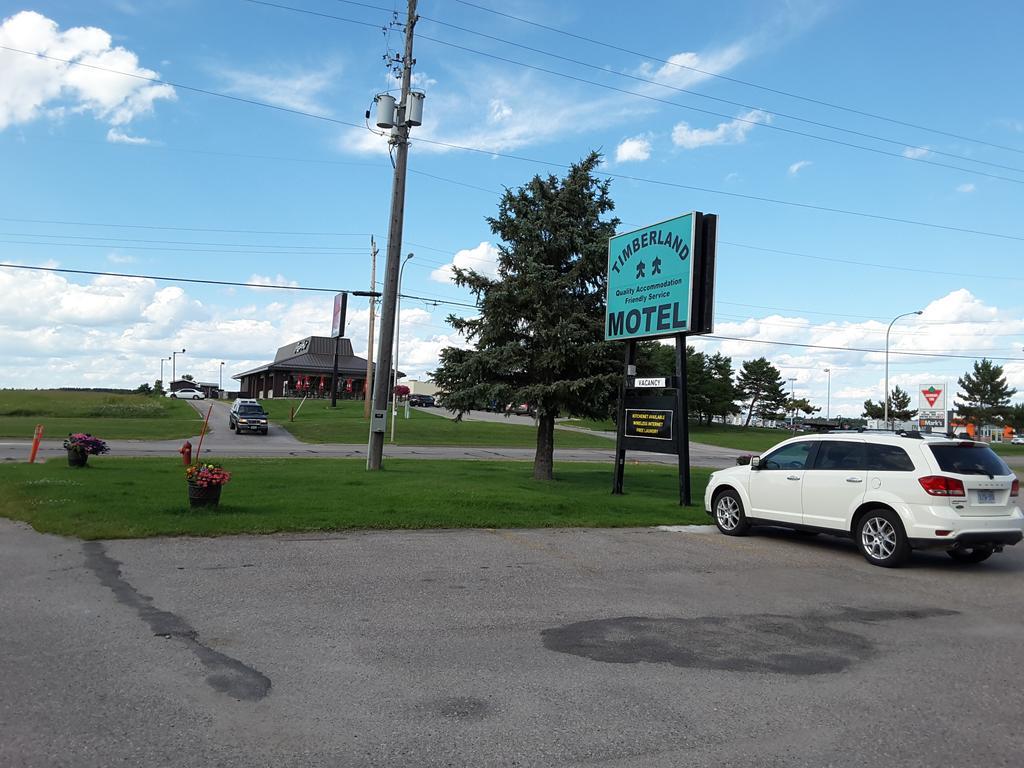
column 1017, row 441
column 187, row 394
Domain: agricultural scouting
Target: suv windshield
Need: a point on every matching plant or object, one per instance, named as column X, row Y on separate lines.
column 969, row 459
column 251, row 410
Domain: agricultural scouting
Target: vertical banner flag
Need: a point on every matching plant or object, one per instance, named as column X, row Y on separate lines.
column 336, row 329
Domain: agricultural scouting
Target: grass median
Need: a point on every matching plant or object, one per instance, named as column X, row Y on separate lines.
column 106, row 415
column 131, row 498
column 317, row 422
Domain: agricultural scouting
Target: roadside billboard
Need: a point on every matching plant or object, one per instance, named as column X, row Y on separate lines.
column 932, row 407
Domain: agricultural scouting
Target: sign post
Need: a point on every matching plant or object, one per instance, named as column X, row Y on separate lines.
column 337, row 331
column 660, row 285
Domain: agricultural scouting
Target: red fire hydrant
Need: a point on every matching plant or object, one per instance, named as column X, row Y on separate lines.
column 186, row 453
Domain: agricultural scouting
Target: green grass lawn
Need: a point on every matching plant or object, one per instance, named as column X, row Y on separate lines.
column 1008, row 450
column 753, row 439
column 105, row 415
column 317, row 422
column 128, row 498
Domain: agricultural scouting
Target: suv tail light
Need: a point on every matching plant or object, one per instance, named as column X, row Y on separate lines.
column 937, row 485
column 1015, row 488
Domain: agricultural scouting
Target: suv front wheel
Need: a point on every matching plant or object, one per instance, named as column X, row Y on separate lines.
column 881, row 539
column 729, row 516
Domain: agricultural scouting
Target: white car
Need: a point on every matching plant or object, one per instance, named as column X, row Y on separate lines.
column 1017, row 440
column 891, row 493
column 187, row 394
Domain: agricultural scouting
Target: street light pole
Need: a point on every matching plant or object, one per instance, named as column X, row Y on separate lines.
column 398, row 323
column 828, row 397
column 886, row 393
column 792, row 407
column 174, row 360
column 220, row 382
column 162, row 361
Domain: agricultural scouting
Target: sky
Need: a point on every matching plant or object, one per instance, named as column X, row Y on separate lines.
column 865, row 160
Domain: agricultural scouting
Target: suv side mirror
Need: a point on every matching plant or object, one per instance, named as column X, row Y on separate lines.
column 755, row 462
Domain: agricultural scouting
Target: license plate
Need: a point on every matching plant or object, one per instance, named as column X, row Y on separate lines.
column 986, row 497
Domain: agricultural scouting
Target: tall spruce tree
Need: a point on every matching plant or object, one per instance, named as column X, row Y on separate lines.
column 539, row 332
column 986, row 395
column 761, row 384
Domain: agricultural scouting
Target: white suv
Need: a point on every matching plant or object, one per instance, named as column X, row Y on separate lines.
column 891, row 493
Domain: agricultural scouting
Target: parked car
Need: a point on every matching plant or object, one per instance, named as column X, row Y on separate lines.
column 1019, row 440
column 248, row 416
column 520, row 409
column 891, row 493
column 187, row 394
column 422, row 401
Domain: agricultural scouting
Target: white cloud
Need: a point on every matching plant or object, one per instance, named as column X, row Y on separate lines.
column 798, row 166
column 483, row 259
column 32, row 87
column 115, row 136
column 293, row 90
column 733, row 132
column 120, row 258
column 262, row 280
column 636, row 149
column 680, row 69
column 966, row 188
column 916, row 153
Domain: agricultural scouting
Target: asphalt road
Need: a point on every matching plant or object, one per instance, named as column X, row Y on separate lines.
column 223, row 442
column 613, row 648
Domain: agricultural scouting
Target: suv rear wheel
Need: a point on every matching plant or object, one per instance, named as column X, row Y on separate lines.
column 881, row 539
column 729, row 517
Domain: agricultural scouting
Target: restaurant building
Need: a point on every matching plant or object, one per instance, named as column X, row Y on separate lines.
column 303, row 369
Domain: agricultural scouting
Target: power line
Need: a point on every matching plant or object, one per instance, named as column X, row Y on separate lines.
column 195, row 280
column 493, row 153
column 745, row 120
column 118, row 225
column 735, row 80
column 857, row 349
column 326, row 248
column 748, row 121
column 108, row 246
column 698, row 94
column 740, row 195
column 1001, row 277
column 415, row 297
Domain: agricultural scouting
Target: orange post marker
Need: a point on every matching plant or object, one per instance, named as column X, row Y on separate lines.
column 206, row 423
column 36, row 439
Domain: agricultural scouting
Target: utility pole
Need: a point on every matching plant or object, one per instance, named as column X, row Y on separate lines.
column 400, row 138
column 368, row 387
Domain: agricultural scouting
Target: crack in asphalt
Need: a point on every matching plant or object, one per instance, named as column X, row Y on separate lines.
column 226, row 674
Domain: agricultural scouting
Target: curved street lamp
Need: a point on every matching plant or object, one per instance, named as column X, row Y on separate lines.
column 174, row 360
column 162, row 361
column 886, row 393
column 828, row 397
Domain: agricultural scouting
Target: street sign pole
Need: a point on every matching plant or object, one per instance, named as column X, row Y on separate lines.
column 339, row 332
column 683, row 429
column 620, row 421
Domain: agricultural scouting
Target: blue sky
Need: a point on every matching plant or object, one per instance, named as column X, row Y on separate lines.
column 84, row 146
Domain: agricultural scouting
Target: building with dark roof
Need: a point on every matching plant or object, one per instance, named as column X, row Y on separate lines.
column 304, row 368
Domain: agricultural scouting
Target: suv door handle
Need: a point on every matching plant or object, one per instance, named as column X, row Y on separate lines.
column 855, row 479
column 793, row 477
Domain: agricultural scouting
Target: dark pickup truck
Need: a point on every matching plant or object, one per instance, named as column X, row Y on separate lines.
column 248, row 418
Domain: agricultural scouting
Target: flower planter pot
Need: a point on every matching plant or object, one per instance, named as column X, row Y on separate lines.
column 77, row 458
column 198, row 496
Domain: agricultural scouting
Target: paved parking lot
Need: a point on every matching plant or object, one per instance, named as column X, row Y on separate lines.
column 629, row 647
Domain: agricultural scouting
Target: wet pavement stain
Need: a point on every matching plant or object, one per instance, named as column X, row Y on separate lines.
column 808, row 644
column 226, row 675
